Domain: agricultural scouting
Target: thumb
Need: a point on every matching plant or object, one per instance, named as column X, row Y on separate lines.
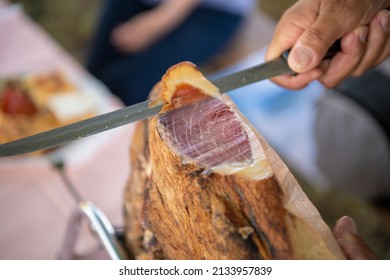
column 350, row 241
column 313, row 43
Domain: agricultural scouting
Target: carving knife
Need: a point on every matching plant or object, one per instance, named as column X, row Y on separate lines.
column 100, row 123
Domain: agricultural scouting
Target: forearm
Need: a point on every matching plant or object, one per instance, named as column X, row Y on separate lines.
column 176, row 11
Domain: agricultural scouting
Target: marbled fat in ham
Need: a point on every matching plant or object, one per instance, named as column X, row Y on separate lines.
column 208, row 131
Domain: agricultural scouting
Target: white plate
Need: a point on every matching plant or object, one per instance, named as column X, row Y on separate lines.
column 78, row 150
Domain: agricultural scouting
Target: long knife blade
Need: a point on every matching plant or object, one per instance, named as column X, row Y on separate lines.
column 88, row 127
column 254, row 74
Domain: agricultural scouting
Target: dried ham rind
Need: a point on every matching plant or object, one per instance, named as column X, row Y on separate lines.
column 183, row 84
column 238, row 202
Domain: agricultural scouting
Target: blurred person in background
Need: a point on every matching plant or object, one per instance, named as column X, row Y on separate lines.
column 138, row 40
column 352, row 132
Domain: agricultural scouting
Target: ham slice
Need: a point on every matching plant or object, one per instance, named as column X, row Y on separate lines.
column 205, row 185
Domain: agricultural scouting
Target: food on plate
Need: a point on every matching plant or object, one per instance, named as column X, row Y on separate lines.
column 37, row 102
column 205, row 185
column 15, row 101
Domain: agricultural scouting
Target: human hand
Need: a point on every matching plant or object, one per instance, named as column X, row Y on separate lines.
column 310, row 27
column 352, row 244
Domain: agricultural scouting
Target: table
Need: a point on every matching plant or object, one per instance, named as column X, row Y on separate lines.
column 35, row 205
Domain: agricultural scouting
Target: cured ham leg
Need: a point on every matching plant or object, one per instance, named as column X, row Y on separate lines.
column 205, row 185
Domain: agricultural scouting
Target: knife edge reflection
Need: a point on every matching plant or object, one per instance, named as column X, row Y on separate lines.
column 79, row 130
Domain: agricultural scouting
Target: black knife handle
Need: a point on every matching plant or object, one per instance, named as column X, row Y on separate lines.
column 335, row 48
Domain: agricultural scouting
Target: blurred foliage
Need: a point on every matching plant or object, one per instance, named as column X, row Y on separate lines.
column 275, row 8
column 372, row 221
column 71, row 24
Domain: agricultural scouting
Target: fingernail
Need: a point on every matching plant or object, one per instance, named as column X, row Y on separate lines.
column 346, row 225
column 385, row 22
column 301, row 58
column 363, row 35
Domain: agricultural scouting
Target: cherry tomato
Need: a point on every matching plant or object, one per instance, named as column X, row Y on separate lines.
column 14, row 100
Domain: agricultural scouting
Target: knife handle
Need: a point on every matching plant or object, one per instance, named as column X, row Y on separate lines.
column 335, row 48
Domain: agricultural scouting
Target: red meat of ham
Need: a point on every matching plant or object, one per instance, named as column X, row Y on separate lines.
column 208, row 132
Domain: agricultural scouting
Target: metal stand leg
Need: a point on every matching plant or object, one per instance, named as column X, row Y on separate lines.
column 99, row 224
column 98, row 221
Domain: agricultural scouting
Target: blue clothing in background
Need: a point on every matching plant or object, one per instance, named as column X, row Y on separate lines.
column 131, row 76
column 240, row 7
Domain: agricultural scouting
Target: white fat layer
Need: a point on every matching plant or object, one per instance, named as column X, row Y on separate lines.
column 69, row 106
column 257, row 168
